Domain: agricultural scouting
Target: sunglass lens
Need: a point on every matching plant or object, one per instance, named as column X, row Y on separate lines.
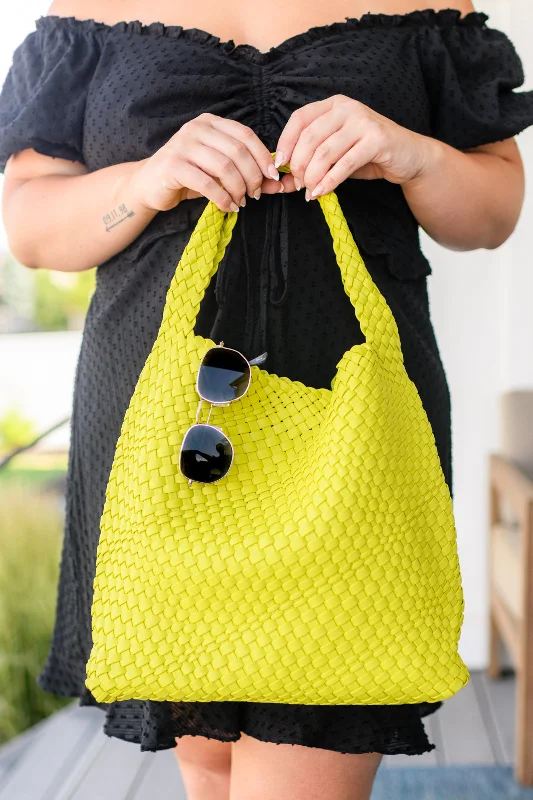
column 224, row 375
column 206, row 454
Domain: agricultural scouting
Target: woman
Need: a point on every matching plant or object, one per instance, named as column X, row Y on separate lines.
column 116, row 124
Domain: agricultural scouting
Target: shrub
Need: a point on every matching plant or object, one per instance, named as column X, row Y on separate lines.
column 30, row 541
column 15, row 429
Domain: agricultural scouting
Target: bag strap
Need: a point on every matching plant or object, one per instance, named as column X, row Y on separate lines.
column 206, row 247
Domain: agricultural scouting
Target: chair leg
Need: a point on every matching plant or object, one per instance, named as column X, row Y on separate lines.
column 495, row 664
column 524, row 729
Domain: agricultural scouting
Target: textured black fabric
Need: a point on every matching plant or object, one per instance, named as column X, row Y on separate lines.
column 106, row 94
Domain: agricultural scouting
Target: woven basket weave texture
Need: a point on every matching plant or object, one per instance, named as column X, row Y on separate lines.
column 324, row 568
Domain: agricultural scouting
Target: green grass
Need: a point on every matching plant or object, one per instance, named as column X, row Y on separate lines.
column 30, row 542
column 29, row 476
column 34, row 469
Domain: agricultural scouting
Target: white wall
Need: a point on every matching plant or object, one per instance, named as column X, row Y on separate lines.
column 37, row 378
column 481, row 304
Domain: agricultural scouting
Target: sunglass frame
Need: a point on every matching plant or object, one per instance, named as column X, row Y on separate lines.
column 219, row 405
column 232, row 349
column 213, row 427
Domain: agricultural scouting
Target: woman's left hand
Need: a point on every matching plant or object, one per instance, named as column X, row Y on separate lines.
column 337, row 138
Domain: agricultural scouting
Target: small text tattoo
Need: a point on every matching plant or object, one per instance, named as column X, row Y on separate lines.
column 116, row 216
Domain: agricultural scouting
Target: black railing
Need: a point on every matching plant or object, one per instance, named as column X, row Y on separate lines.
column 7, row 459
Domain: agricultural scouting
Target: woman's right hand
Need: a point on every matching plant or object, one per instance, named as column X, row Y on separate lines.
column 209, row 156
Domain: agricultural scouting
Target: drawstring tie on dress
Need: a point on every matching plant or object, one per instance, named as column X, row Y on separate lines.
column 273, row 280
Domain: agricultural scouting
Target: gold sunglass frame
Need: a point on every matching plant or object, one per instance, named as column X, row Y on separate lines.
column 220, row 405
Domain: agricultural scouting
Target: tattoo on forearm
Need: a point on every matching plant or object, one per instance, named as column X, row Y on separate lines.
column 116, row 216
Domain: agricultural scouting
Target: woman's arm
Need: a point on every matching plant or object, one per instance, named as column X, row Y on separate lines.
column 59, row 216
column 463, row 199
column 468, row 199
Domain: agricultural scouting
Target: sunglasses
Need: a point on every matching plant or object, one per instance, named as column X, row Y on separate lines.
column 224, row 376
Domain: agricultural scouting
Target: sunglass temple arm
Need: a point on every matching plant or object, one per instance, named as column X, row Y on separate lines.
column 255, row 362
column 198, row 411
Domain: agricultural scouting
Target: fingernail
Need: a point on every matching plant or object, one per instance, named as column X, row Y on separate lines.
column 234, row 207
column 281, row 188
column 307, row 195
column 298, row 184
column 279, row 158
column 243, row 202
column 317, row 190
column 257, row 194
column 272, row 171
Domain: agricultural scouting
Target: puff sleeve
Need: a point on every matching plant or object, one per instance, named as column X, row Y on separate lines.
column 471, row 72
column 42, row 101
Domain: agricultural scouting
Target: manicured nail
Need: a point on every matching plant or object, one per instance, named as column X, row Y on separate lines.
column 257, row 194
column 272, row 171
column 298, row 184
column 234, row 207
column 243, row 202
column 307, row 195
column 317, row 190
column 279, row 159
column 281, row 188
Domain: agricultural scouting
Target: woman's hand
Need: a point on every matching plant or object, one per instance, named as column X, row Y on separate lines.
column 464, row 199
column 210, row 156
column 338, row 138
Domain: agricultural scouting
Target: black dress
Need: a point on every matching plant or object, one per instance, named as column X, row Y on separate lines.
column 104, row 94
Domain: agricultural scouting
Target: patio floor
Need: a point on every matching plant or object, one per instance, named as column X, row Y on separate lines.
column 68, row 757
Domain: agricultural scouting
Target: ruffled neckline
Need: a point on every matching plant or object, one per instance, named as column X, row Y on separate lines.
column 443, row 18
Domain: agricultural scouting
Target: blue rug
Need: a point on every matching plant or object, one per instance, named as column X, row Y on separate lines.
column 448, row 783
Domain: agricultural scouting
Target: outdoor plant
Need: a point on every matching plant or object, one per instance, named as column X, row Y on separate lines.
column 30, row 541
column 15, row 429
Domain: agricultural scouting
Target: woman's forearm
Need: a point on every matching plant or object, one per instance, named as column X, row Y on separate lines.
column 71, row 222
column 464, row 200
column 468, row 199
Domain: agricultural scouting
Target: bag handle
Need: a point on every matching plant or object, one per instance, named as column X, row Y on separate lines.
column 206, row 247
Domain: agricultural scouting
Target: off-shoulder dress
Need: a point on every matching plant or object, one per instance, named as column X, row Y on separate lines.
column 104, row 94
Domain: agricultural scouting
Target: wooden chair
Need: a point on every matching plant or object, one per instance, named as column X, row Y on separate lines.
column 511, row 565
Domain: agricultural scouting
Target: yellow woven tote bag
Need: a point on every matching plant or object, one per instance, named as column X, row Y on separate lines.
column 323, row 569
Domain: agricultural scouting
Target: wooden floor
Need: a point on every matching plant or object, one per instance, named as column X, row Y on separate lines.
column 68, row 757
